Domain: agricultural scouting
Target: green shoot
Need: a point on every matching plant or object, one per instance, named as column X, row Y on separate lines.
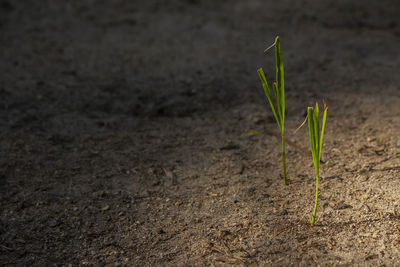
column 316, row 137
column 257, row 133
column 277, row 102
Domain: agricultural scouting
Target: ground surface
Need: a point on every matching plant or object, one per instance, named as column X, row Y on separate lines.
column 124, row 133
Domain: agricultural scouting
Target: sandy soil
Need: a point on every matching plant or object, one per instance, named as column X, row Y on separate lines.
column 125, row 133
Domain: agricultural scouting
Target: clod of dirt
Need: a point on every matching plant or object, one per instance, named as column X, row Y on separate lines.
column 371, row 257
column 230, row 146
column 343, row 206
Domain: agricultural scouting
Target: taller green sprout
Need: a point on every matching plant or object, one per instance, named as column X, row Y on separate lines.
column 316, row 137
column 277, row 102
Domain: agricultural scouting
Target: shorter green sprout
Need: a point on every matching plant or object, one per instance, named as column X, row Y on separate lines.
column 316, row 137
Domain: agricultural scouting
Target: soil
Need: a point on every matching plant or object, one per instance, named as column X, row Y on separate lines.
column 125, row 133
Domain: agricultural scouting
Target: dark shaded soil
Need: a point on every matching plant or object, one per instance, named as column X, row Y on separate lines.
column 124, row 133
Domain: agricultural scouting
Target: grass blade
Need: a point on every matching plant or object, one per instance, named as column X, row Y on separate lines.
column 278, row 106
column 311, row 128
column 322, row 129
column 316, row 129
column 268, row 94
column 257, row 133
column 280, row 76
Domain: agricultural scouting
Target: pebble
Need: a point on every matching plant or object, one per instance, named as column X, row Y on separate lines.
column 343, row 206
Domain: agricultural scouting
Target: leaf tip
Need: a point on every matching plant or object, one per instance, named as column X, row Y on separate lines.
column 325, row 106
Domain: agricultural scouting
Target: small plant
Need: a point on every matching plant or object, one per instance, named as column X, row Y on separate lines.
column 277, row 102
column 316, row 137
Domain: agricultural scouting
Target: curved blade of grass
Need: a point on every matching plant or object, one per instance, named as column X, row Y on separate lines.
column 268, row 94
column 269, row 47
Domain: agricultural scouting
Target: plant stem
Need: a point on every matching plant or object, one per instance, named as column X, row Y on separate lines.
column 312, row 220
column 284, row 159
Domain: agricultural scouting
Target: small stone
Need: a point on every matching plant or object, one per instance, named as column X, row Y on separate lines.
column 343, row 206
column 160, row 231
column 371, row 257
column 106, row 207
column 366, row 208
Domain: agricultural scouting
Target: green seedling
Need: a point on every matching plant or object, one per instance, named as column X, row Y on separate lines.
column 316, row 137
column 277, row 102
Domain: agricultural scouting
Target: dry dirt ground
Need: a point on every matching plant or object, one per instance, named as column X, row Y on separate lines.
column 125, row 133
